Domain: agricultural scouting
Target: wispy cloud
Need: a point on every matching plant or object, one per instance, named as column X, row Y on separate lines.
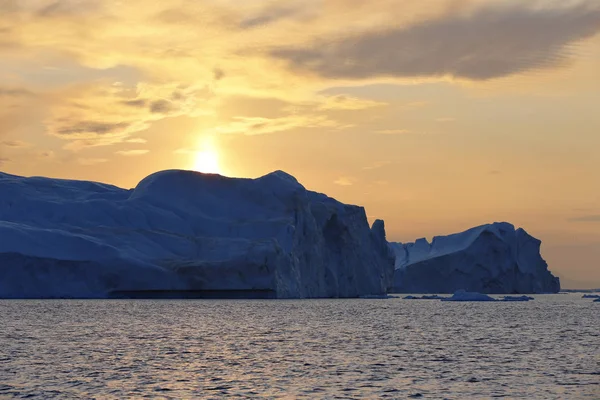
column 91, row 161
column 136, row 140
column 377, row 165
column 393, row 131
column 586, row 218
column 344, row 181
column 18, row 92
column 15, row 143
column 261, row 126
column 136, row 152
column 343, row 102
column 98, row 115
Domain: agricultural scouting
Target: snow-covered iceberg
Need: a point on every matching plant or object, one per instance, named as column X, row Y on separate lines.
column 186, row 234
column 493, row 258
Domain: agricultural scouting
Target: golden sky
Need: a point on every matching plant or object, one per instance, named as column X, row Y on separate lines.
column 435, row 115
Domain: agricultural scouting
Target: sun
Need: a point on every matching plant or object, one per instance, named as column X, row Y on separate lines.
column 207, row 161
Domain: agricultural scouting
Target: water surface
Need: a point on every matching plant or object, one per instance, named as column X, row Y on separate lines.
column 390, row 348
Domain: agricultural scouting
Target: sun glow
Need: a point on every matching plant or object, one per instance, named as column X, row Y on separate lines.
column 207, row 161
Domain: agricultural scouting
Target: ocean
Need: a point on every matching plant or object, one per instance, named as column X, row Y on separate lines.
column 548, row 348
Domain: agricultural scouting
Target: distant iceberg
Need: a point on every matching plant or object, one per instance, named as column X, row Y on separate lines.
column 461, row 295
column 424, row 297
column 517, row 298
column 186, row 234
column 493, row 258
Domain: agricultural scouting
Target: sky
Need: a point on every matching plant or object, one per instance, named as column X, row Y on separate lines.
column 434, row 115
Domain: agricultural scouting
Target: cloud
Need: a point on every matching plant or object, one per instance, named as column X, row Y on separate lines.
column 161, row 106
column 136, row 140
column 586, row 218
column 15, row 143
column 135, row 103
column 137, row 152
column 261, row 126
column 91, row 161
column 376, row 165
column 344, row 102
column 218, row 74
column 46, row 154
column 491, row 42
column 91, row 129
column 14, row 92
column 100, row 114
column 344, row 181
column 393, row 131
column 4, row 160
column 269, row 15
column 445, row 119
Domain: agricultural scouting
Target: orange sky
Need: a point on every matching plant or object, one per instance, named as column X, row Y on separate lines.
column 435, row 115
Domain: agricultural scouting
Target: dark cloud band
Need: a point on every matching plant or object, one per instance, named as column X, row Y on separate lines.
column 492, row 42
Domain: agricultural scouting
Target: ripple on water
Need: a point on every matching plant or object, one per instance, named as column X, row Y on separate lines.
column 301, row 349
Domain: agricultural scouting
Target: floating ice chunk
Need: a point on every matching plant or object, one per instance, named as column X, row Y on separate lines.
column 461, row 295
column 517, row 298
column 591, row 296
column 425, row 297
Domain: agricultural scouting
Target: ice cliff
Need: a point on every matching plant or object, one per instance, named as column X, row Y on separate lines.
column 493, row 258
column 183, row 233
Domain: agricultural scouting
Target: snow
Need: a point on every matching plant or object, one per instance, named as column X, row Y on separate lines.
column 186, row 231
column 462, row 295
column 492, row 258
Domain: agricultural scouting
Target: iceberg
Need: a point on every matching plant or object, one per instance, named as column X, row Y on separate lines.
column 186, row 234
column 492, row 258
column 462, row 295
column 517, row 298
column 424, row 297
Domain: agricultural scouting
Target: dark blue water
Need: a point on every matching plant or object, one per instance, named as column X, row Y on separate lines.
column 548, row 348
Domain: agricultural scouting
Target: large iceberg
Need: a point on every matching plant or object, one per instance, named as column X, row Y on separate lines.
column 186, row 234
column 493, row 258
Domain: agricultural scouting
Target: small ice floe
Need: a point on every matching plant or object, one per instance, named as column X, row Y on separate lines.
column 462, row 295
column 424, row 297
column 517, row 298
column 378, row 296
column 597, row 300
column 591, row 296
